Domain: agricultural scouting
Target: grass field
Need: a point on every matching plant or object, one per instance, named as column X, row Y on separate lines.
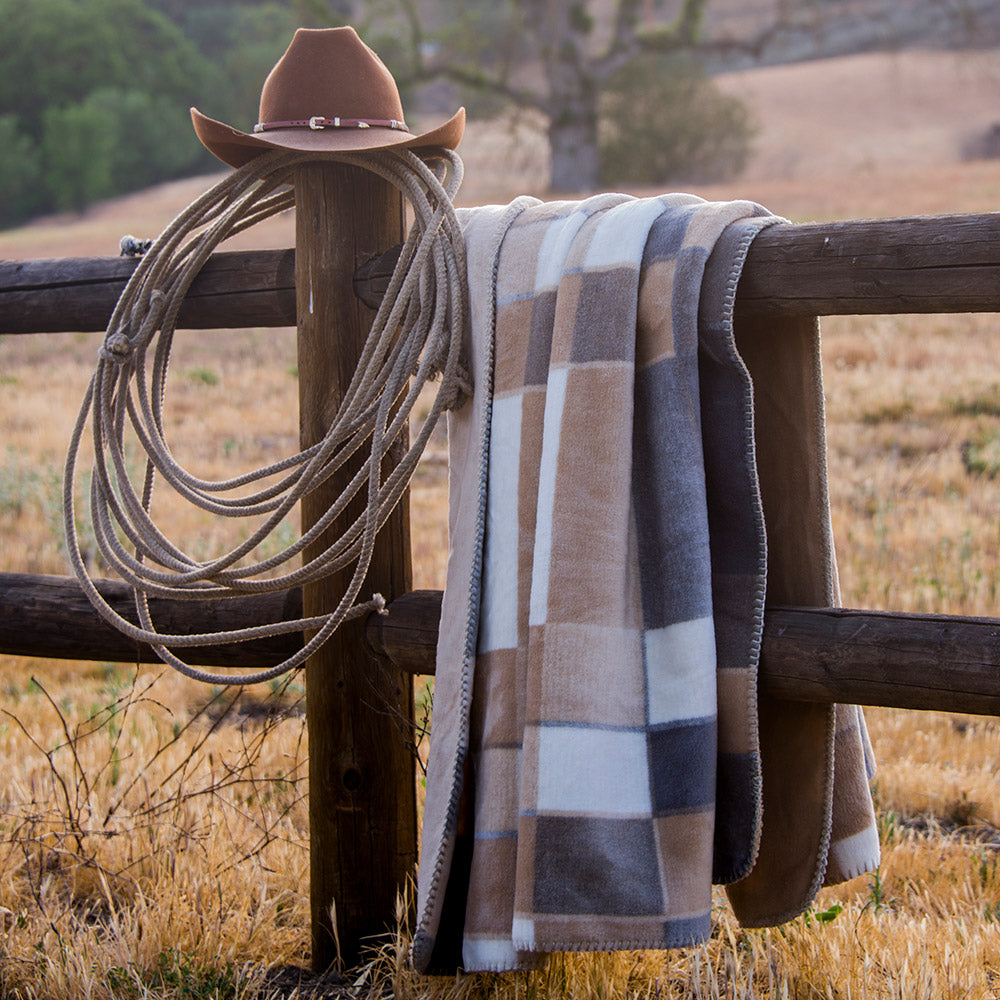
column 153, row 833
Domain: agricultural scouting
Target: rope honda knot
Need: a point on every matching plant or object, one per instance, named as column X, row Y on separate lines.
column 117, row 348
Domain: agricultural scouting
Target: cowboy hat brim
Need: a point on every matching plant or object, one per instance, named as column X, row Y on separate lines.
column 237, row 148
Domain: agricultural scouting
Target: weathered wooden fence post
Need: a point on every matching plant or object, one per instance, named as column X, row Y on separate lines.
column 362, row 809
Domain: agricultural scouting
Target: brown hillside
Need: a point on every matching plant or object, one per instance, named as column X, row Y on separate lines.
column 876, row 112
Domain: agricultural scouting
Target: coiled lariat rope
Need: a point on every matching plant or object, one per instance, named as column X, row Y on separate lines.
column 415, row 337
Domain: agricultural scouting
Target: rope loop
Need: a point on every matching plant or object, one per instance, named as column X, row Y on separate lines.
column 415, row 336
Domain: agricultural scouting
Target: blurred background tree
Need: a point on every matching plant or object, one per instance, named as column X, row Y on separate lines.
column 663, row 120
column 561, row 58
column 94, row 94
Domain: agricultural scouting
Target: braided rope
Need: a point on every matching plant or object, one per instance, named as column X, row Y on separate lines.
column 415, row 336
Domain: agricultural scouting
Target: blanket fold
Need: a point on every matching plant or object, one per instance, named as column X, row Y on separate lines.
column 598, row 754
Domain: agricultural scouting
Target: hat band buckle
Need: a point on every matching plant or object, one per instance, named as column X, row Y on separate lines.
column 318, row 123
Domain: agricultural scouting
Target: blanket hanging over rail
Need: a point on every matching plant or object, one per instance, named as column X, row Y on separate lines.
column 600, row 754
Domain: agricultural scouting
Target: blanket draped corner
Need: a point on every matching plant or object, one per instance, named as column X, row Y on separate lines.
column 632, row 479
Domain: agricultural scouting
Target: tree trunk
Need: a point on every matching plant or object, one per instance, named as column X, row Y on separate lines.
column 563, row 29
column 575, row 164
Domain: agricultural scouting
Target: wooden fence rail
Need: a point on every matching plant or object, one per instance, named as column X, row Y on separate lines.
column 942, row 662
column 924, row 264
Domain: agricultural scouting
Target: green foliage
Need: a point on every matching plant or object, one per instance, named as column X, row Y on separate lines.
column 69, row 48
column 243, row 41
column 77, row 152
column 259, row 36
column 145, row 123
column 878, row 898
column 983, row 404
column 986, row 867
column 188, row 980
column 580, row 19
column 202, row 376
column 981, row 454
column 94, row 98
column 93, row 101
column 822, row 917
column 19, row 167
column 662, row 120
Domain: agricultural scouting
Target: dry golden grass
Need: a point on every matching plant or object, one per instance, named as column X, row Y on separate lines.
column 917, row 531
column 153, row 834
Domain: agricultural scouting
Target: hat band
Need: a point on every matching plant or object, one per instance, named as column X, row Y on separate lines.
column 318, row 122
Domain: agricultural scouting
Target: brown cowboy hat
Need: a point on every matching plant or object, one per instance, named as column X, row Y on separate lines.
column 328, row 93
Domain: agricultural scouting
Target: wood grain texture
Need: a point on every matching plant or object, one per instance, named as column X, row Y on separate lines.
column 920, row 264
column 51, row 616
column 78, row 294
column 359, row 709
column 932, row 662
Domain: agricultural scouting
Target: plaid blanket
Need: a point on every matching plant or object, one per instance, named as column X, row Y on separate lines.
column 599, row 753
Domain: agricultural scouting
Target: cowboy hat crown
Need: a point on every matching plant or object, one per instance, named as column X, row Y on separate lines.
column 329, row 92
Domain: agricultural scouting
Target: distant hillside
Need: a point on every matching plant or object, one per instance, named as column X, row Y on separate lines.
column 875, row 111
column 788, row 31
